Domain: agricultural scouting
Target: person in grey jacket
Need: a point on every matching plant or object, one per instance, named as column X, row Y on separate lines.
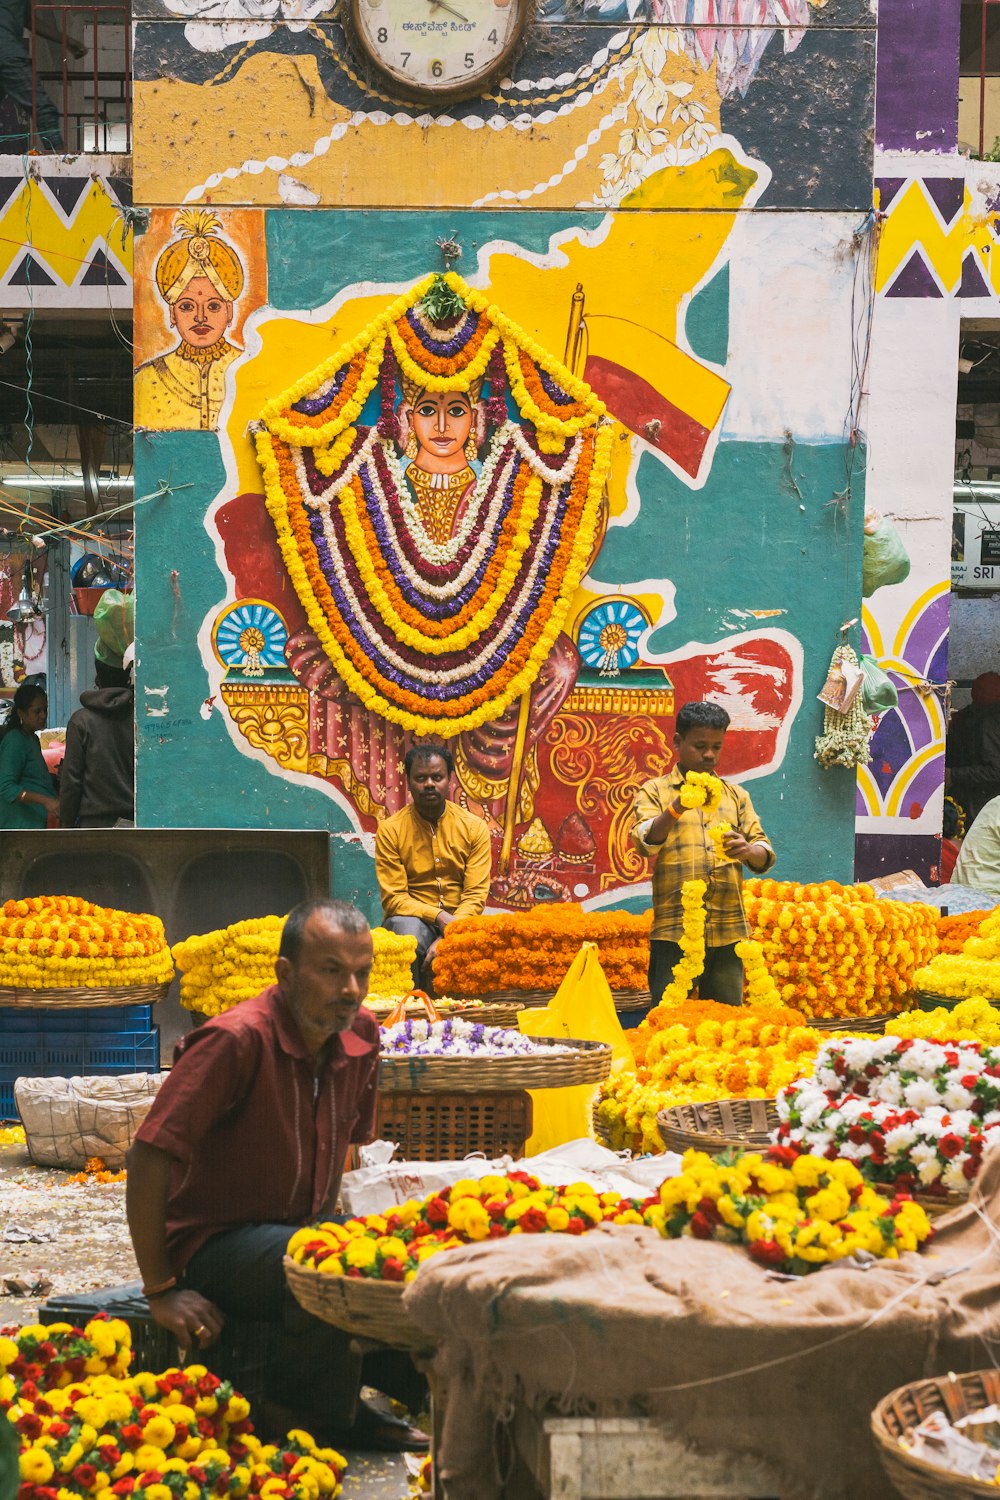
column 97, row 780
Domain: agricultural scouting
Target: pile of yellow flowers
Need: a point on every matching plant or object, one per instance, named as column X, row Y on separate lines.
column 969, row 1021
column 692, row 944
column 698, row 1051
column 63, row 942
column 790, row 1211
column 220, row 969
column 86, row 1427
column 835, row 950
column 972, row 974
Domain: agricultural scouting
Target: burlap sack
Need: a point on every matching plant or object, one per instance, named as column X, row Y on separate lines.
column 68, row 1120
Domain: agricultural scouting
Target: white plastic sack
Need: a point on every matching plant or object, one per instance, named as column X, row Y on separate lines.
column 379, row 1188
column 68, row 1120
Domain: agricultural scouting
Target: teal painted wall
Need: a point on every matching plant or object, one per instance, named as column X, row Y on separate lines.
column 759, row 534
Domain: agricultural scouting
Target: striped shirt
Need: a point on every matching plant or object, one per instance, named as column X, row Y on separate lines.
column 688, row 853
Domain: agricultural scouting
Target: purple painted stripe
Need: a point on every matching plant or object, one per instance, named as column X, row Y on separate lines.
column 916, row 88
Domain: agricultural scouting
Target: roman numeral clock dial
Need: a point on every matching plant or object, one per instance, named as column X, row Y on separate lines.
column 439, row 49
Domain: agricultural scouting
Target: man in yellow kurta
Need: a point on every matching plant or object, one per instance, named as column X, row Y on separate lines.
column 199, row 277
column 432, row 858
column 678, row 839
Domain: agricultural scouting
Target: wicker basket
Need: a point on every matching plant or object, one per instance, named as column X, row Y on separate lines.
column 718, row 1126
column 582, row 1062
column 489, row 1015
column 449, row 1127
column 927, row 1000
column 367, row 1309
column 518, row 997
column 78, row 999
column 903, row 1409
column 852, row 1023
column 935, row 1204
column 631, row 999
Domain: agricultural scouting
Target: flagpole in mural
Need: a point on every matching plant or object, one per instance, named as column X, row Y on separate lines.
column 574, row 335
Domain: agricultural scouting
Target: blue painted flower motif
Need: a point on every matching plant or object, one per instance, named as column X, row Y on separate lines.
column 609, row 636
column 250, row 635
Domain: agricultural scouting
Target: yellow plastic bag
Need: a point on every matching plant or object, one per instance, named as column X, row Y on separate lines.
column 582, row 1008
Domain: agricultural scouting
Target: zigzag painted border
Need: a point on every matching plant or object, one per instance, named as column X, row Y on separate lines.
column 934, row 242
column 63, row 243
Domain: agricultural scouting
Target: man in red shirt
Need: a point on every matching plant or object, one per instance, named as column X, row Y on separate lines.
column 246, row 1140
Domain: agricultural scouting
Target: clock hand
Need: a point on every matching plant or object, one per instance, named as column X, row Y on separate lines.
column 442, row 5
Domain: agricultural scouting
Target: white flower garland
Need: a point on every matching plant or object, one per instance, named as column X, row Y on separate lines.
column 372, row 643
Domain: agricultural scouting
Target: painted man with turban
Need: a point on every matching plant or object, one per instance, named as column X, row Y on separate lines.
column 199, row 277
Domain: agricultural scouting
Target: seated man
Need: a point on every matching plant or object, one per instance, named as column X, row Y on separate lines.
column 432, row 859
column 978, row 864
column 245, row 1141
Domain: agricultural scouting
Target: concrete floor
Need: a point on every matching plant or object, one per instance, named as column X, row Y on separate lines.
column 76, row 1237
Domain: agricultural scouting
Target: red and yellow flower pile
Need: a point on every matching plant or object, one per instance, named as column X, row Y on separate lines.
column 698, row 1051
column 220, row 969
column 794, row 1216
column 532, row 950
column 87, row 1428
column 836, row 950
column 971, row 974
column 63, row 942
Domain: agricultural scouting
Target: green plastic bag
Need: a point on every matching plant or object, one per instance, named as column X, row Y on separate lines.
column 885, row 558
column 878, row 691
column 114, row 618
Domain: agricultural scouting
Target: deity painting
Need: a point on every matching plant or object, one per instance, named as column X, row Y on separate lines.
column 438, row 493
column 199, row 279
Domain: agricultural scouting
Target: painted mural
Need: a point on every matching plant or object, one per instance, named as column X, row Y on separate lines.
column 65, row 236
column 602, row 96
column 197, row 288
column 939, row 236
column 462, row 508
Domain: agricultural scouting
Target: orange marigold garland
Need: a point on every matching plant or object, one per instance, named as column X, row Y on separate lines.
column 438, row 636
column 64, row 942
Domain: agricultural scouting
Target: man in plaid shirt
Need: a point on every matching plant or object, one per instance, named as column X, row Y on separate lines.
column 677, row 838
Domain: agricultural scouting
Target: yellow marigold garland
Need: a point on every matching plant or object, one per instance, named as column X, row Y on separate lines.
column 974, row 1020
column 970, row 975
column 221, row 969
column 701, row 789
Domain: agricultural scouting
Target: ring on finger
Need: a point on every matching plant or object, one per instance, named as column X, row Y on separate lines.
column 200, row 1331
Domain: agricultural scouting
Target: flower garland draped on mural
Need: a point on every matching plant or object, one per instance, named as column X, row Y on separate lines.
column 437, row 588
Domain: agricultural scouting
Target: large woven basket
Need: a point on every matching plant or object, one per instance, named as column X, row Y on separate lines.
column 366, row 1309
column 934, row 1204
column 928, row 1000
column 718, row 1126
column 581, row 1062
column 851, row 1023
column 518, row 997
column 490, row 1015
column 631, row 999
column 898, row 1413
column 78, row 998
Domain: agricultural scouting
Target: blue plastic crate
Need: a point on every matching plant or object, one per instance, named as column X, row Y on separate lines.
column 137, row 1018
column 61, row 1054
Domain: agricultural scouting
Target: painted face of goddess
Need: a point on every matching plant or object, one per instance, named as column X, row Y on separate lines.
column 441, row 422
column 200, row 315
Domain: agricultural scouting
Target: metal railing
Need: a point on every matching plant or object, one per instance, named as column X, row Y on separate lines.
column 81, row 77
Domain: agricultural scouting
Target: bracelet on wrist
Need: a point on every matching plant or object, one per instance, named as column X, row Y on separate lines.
column 160, row 1290
column 675, row 812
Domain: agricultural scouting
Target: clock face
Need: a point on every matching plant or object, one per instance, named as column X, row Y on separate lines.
column 439, row 48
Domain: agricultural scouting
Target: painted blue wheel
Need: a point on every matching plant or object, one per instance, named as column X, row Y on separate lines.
column 250, row 634
column 609, row 635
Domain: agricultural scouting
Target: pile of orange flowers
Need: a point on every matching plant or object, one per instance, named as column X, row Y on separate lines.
column 96, row 1171
column 532, row 950
column 953, row 932
column 698, row 1051
column 836, row 950
column 60, row 942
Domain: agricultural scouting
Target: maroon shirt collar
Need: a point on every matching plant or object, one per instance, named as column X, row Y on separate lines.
column 343, row 1043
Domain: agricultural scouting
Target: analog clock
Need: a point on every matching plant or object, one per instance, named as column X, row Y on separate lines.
column 439, row 49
